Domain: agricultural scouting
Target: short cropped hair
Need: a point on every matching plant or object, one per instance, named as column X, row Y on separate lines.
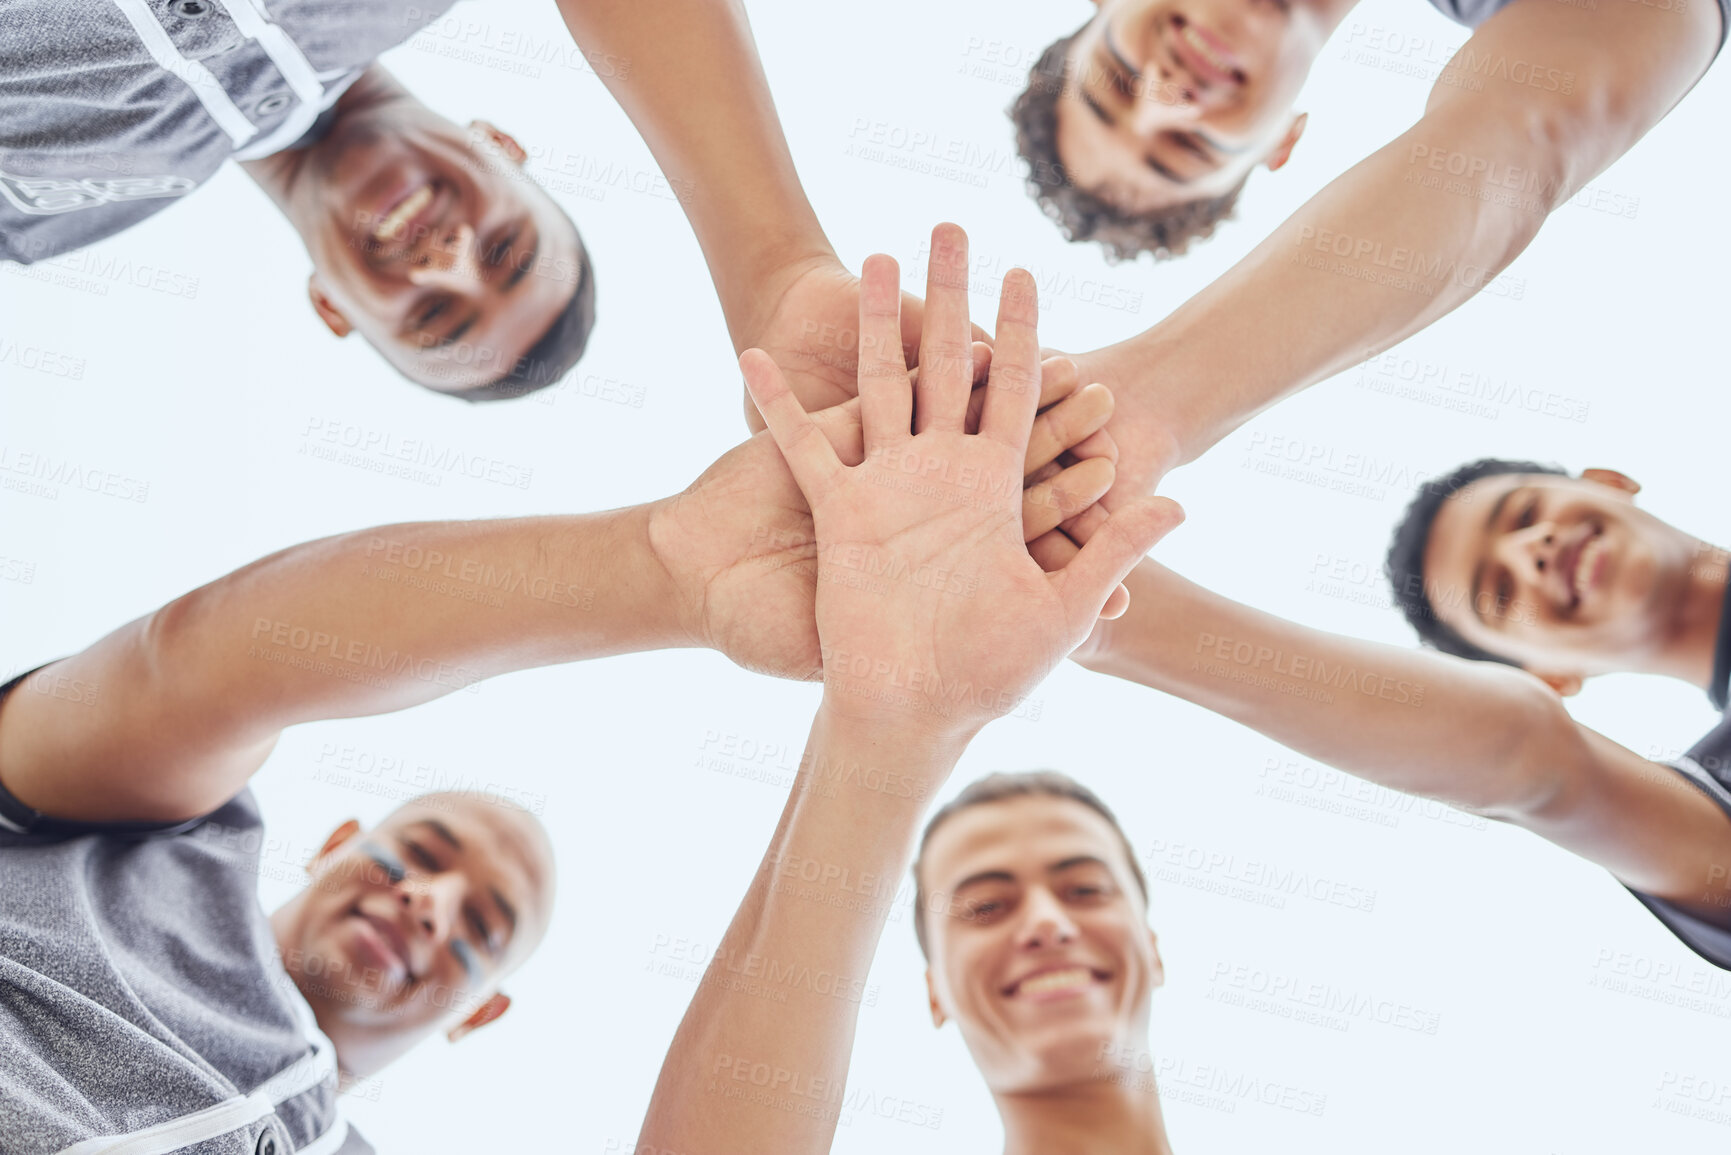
column 1404, row 566
column 548, row 360
column 1082, row 215
column 997, row 788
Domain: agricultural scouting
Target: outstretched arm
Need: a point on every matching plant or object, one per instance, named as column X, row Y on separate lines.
column 689, row 77
column 1541, row 99
column 189, row 700
column 1478, row 735
column 911, row 672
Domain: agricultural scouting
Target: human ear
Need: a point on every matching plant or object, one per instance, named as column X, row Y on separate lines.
column 334, row 843
column 502, row 140
column 326, row 308
column 490, row 1011
column 1283, row 151
column 1565, row 685
column 1621, row 482
column 938, row 1016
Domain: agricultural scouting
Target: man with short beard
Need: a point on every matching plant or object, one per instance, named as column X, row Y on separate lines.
column 146, row 999
column 423, row 235
column 1143, row 126
column 1546, row 580
column 427, row 239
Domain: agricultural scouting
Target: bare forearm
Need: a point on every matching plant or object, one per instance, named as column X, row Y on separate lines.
column 1484, row 737
column 360, row 624
column 690, row 79
column 774, row 1018
column 1542, row 99
column 1367, row 262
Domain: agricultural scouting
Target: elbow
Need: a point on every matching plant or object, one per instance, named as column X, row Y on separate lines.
column 1541, row 740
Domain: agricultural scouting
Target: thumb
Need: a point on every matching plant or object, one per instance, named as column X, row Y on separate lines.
column 1117, row 545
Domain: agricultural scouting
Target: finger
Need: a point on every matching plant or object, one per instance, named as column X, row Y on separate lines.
column 1053, row 551
column 1050, row 503
column 1127, row 535
column 841, row 424
column 946, row 345
column 1013, row 392
column 1058, row 379
column 1050, row 469
column 913, row 320
column 1067, row 424
column 886, row 401
column 808, row 452
column 1086, row 524
column 1099, row 443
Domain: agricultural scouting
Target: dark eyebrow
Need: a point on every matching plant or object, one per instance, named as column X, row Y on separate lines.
column 505, row 908
column 442, row 831
column 520, row 269
column 1079, row 860
column 1154, row 163
column 983, row 876
column 456, row 333
column 1479, row 570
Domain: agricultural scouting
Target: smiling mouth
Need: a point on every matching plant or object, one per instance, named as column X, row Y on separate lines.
column 1055, row 983
column 395, row 946
column 1204, row 56
column 1580, row 562
column 396, row 222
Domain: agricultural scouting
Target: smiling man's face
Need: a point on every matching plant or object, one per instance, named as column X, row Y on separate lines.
column 1038, row 940
column 1169, row 101
column 410, row 927
column 431, row 242
column 1563, row 575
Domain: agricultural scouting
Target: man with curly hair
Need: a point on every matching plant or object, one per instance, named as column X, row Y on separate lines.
column 1141, row 128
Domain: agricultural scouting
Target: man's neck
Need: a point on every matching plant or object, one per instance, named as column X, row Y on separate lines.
column 1121, row 1116
column 280, row 174
column 1691, row 642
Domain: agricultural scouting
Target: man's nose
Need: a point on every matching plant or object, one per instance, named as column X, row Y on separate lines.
column 1532, row 551
column 1045, row 923
column 432, row 904
column 450, row 263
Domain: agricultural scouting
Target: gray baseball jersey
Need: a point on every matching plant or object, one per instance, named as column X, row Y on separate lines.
column 111, row 110
column 143, row 1006
column 1472, row 13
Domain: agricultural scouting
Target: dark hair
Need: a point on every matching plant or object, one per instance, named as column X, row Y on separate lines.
column 548, row 360
column 1405, row 563
column 997, row 788
column 1082, row 215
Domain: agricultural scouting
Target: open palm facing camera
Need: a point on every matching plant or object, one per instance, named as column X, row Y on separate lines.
column 930, row 612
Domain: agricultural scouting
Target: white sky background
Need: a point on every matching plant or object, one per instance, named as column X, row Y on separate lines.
column 1500, row 938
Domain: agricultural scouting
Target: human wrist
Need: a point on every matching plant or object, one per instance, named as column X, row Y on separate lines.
column 751, row 285
column 903, row 734
column 667, row 578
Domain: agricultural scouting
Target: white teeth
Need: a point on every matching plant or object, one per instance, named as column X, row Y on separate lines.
column 1194, row 39
column 1056, row 981
column 1584, row 565
column 398, row 218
